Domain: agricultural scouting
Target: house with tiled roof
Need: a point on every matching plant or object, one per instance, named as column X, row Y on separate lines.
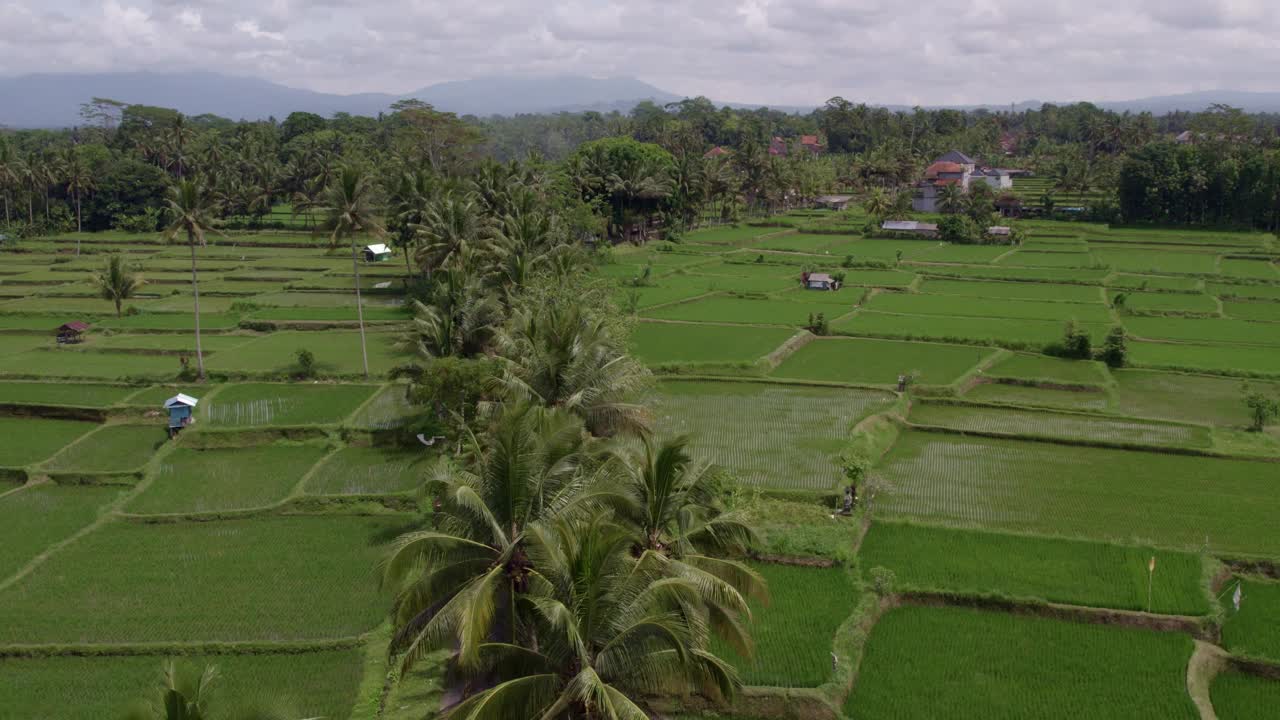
column 955, row 168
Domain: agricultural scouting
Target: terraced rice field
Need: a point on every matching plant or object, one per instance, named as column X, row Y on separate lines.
column 262, row 404
column 1068, row 426
column 1042, row 368
column 1083, row 492
column 1237, row 696
column 956, row 663
column 791, row 440
column 680, row 344
column 880, row 362
column 1252, row 631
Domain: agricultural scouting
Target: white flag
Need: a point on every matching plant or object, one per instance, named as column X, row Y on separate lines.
column 1235, row 599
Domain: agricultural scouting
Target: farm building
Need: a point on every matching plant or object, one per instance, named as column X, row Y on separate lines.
column 955, row 168
column 716, row 152
column 376, row 253
column 819, row 281
column 914, row 227
column 180, row 409
column 72, row 332
column 999, row 231
column 833, row 202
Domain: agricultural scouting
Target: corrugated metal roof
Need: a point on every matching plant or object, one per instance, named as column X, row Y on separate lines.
column 378, row 249
column 900, row 225
column 180, row 399
column 819, row 277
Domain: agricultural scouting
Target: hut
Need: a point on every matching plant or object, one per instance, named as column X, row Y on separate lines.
column 819, row 281
column 376, row 253
column 833, row 202
column 72, row 332
column 180, row 409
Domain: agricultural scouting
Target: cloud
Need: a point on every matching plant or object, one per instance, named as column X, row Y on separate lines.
column 781, row 51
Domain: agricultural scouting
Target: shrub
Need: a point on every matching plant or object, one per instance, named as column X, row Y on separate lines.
column 958, row 229
column 147, row 221
column 883, row 580
column 306, row 362
column 1075, row 344
column 818, row 324
column 1115, row 349
column 1262, row 409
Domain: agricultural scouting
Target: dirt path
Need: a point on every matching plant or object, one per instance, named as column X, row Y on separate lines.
column 1206, row 662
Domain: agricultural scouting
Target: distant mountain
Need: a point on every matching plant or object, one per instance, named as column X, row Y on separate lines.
column 53, row 100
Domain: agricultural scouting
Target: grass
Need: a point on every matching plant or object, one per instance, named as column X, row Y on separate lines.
column 1179, row 396
column 1137, row 498
column 962, row 664
column 965, row 306
column 265, row 404
column 174, row 321
column 794, row 634
column 1208, row 358
column 195, row 481
column 388, row 409
column 316, row 684
column 1261, row 292
column 1070, row 426
column 794, row 432
column 1155, row 282
column 285, row 578
column 1037, row 397
column 1033, row 258
column 880, row 361
column 1013, row 290
column 728, row 235
column 988, row 331
column 69, row 394
column 37, row 516
column 1260, row 269
column 1253, row 631
column 678, row 343
column 1237, row 696
column 40, row 438
column 368, row 471
column 728, row 309
column 1051, row 369
column 1156, row 260
column 1025, row 274
column 63, row 363
column 1050, row 569
column 115, row 448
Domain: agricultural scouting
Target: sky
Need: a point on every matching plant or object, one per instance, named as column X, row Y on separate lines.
column 786, row 52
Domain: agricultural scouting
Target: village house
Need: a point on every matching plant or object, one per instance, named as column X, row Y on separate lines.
column 912, row 227
column 955, row 168
column 819, row 281
column 72, row 332
column 778, row 145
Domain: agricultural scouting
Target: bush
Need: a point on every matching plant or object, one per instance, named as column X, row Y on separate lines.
column 1075, row 344
column 306, row 363
column 1115, row 350
column 147, row 221
column 883, row 580
column 1262, row 409
column 959, row 230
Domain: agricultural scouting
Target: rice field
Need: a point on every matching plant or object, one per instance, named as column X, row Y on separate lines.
column 1138, row 498
column 771, row 436
column 1019, row 333
column 660, row 344
column 1215, row 330
column 41, row 438
column 1189, row 398
column 880, row 362
column 1258, row 360
column 68, row 394
column 1037, row 396
column 1068, row 426
column 266, row 404
column 963, row 306
column 794, row 313
column 794, row 633
column 37, row 516
column 1258, row 311
column 215, row 581
column 202, row 481
column 1253, row 631
column 1237, row 696
column 961, row 664
column 1045, row 368
column 368, row 471
column 113, row 448
column 1169, row 303
column 1014, row 290
column 1021, row 566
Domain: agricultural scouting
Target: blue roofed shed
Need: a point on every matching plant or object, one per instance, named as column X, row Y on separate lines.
column 180, row 409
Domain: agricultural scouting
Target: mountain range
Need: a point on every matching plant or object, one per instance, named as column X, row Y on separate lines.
column 53, row 100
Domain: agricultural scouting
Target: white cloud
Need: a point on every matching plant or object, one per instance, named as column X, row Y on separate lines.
column 783, row 51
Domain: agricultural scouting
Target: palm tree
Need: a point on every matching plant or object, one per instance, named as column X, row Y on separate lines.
column 183, row 695
column 79, row 181
column 452, row 228
column 638, row 181
column 951, row 199
column 349, row 207
column 561, row 356
column 610, row 629
column 453, row 583
column 877, row 204
column 9, row 175
column 115, row 282
column 192, row 208
column 459, row 321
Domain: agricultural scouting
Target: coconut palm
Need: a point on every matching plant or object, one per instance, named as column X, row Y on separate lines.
column 115, row 283
column 637, row 182
column 183, row 695
column 349, row 208
column 456, row 585
column 454, row 226
column 79, row 180
column 877, row 204
column 951, row 199
column 459, row 320
column 9, row 176
column 191, row 207
column 562, row 356
column 611, row 630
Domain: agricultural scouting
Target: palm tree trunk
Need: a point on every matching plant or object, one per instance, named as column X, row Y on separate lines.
column 407, row 267
column 355, row 266
column 195, row 292
column 119, row 302
column 79, row 223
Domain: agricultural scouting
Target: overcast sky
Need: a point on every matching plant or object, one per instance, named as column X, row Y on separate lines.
column 797, row 52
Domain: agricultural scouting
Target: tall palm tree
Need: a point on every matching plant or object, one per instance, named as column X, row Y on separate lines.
column 79, row 180
column 457, row 585
column 9, row 175
column 191, row 209
column 636, row 182
column 115, row 283
column 610, row 629
column 454, row 225
column 349, row 207
column 561, row 356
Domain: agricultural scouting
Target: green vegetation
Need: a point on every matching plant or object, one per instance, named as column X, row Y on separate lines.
column 367, row 471
column 794, row 311
column 1190, row 398
column 1037, row 397
column 37, row 516
column 880, row 362
column 794, row 633
column 1238, row 696
column 114, row 448
column 1253, row 631
column 1083, row 492
column 1022, row 566
column 70, row 394
column 1069, row 426
column 40, row 438
column 204, row 481
column 945, row 662
column 660, row 344
column 1049, row 369
column 261, row 404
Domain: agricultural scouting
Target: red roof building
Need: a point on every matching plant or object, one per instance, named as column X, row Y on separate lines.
column 715, row 152
column 941, row 169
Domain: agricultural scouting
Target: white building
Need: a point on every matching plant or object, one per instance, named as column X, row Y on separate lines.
column 955, row 168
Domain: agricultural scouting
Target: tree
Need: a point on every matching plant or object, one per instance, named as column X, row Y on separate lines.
column 183, row 695
column 1115, row 351
column 877, row 204
column 1076, row 342
column 79, row 180
column 951, row 199
column 349, row 207
column 192, row 211
column 1263, row 410
column 115, row 283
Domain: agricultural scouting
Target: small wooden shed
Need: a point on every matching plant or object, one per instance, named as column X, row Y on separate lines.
column 72, row 332
column 376, row 253
column 181, row 408
column 819, row 281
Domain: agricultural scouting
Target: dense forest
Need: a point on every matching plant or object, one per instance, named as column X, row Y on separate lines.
column 666, row 167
